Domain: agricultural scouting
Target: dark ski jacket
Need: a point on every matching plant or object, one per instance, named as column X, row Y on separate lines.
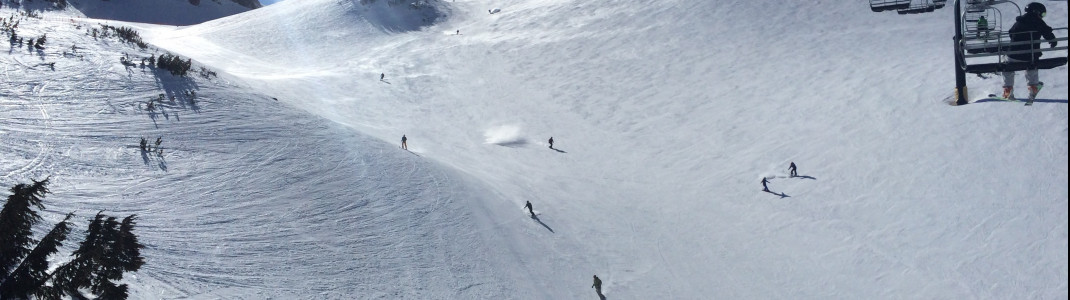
column 1029, row 27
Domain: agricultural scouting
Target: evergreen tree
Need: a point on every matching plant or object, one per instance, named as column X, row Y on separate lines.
column 24, row 269
column 30, row 277
column 110, row 248
column 16, row 220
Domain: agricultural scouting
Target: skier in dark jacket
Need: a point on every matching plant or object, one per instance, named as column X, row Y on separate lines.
column 404, row 142
column 1028, row 27
column 764, row 181
column 792, row 169
column 528, row 206
column 551, row 142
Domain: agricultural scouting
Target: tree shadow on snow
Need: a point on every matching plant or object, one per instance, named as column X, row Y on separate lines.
column 153, row 116
column 176, row 89
column 145, row 156
column 160, row 161
column 536, row 218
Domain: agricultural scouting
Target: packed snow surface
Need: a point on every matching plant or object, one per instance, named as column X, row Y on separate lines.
column 282, row 177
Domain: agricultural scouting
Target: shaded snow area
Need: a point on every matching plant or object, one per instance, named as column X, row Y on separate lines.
column 282, row 177
column 170, row 12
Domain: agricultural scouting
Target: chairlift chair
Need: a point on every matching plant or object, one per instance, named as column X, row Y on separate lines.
column 977, row 39
column 886, row 5
column 921, row 7
column 1003, row 47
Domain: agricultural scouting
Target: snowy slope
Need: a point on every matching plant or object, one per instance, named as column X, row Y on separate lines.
column 233, row 208
column 666, row 113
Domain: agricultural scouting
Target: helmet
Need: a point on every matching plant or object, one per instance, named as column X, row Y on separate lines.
column 1035, row 8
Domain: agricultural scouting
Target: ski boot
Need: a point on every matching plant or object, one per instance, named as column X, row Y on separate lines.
column 1008, row 93
column 1033, row 90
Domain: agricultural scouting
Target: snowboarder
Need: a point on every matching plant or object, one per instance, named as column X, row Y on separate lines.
column 1028, row 27
column 764, row 181
column 528, row 206
column 792, row 169
column 404, row 142
column 597, row 286
column 551, row 142
column 159, row 140
column 982, row 27
column 144, row 144
column 381, row 76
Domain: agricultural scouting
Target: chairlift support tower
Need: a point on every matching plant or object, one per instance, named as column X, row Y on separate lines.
column 981, row 50
column 986, row 47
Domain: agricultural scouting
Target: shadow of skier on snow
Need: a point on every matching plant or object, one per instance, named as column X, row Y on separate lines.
column 559, row 150
column 805, row 177
column 536, row 218
column 782, row 195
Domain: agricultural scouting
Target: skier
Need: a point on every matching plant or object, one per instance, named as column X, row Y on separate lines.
column 982, row 27
column 404, row 142
column 792, row 169
column 381, row 76
column 1028, row 27
column 764, row 181
column 597, row 286
column 551, row 142
column 528, row 206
